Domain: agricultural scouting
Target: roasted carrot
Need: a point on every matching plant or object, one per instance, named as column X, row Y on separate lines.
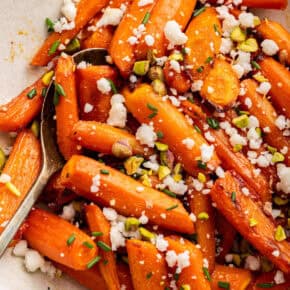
column 194, row 275
column 204, row 40
column 119, row 3
column 59, row 240
column 164, row 10
column 90, row 95
column 236, row 279
column 22, row 167
column 20, row 111
column 152, row 272
column 266, row 114
column 146, row 106
column 279, row 77
column 98, row 223
column 86, row 10
column 66, row 106
column 89, row 133
column 248, row 218
column 221, row 86
column 78, row 175
column 125, row 276
column 121, row 50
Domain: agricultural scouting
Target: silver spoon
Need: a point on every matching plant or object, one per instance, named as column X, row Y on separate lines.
column 52, row 161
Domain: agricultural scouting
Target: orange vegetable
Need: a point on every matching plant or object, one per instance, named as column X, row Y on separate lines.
column 152, row 272
column 86, row 10
column 221, row 86
column 125, row 276
column 240, row 211
column 171, row 122
column 23, row 167
column 67, row 107
column 78, row 174
column 279, row 77
column 53, row 237
column 196, row 264
column 204, row 41
column 266, row 114
column 98, row 223
column 238, row 279
column 20, row 111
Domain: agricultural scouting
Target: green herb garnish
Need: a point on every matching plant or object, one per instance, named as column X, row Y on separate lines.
column 71, row 239
column 213, row 123
column 104, row 246
column 93, row 262
column 54, row 47
column 31, row 94
column 146, row 18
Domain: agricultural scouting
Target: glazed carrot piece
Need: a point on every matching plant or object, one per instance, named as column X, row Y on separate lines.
column 120, row 49
column 86, row 10
column 266, row 114
column 21, row 110
column 167, row 119
column 151, row 272
column 204, row 41
column 195, row 268
column 23, row 166
column 205, row 228
column 240, row 210
column 221, row 86
column 67, row 107
column 89, row 134
column 164, row 11
column 79, row 172
column 237, row 279
column 59, row 240
column 125, row 276
column 98, row 223
column 89, row 94
column 279, row 77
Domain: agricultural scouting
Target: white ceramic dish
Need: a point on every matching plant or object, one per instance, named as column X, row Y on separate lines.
column 22, row 30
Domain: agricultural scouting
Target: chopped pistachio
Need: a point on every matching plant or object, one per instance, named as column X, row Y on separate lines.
column 257, row 20
column 259, row 132
column 73, row 46
column 185, row 287
column 253, row 222
column 241, row 121
column 35, row 128
column 156, row 73
column 280, row 201
column 146, row 180
column 122, row 149
column 249, row 45
column 2, row 158
column 238, row 34
column 271, row 149
column 203, row 216
column 260, row 78
column 201, row 177
column 161, row 146
column 13, row 189
column 132, row 164
column 163, row 171
column 47, row 77
column 178, row 56
column 177, row 177
column 159, row 87
column 280, row 234
column 277, row 157
column 237, row 147
column 131, row 224
column 177, row 168
column 146, row 235
column 141, row 67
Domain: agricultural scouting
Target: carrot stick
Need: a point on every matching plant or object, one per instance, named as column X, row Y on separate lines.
column 204, row 40
column 20, row 111
column 240, row 210
column 98, row 223
column 266, row 114
column 164, row 10
column 195, row 268
column 59, row 240
column 237, row 279
column 77, row 174
column 279, row 78
column 89, row 134
column 86, row 10
column 121, row 50
column 67, row 107
column 89, row 93
column 205, row 229
column 147, row 269
column 22, row 166
column 172, row 123
column 125, row 276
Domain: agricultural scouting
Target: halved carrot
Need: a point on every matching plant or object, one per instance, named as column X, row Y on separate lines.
column 279, row 76
column 125, row 276
column 59, row 240
column 20, row 111
column 122, row 191
column 89, row 94
column 121, row 50
column 237, row 279
column 194, row 274
column 248, row 218
column 146, row 106
column 164, row 10
column 23, row 166
column 204, row 41
column 147, row 266
column 221, row 86
column 205, row 228
column 266, row 114
column 89, row 133
column 98, row 223
column 86, row 10
column 67, row 107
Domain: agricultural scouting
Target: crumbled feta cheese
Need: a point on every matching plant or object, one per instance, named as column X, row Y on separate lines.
column 243, row 59
column 83, row 65
column 20, row 248
column 62, row 24
column 110, row 214
column 237, row 139
column 33, row 261
column 239, row 70
column 262, row 161
column 174, row 34
column 149, row 40
column 279, row 277
column 220, row 172
column 226, row 46
column 69, row 10
column 111, row 16
column 143, row 219
column 132, row 40
column 196, row 86
column 104, row 86
column 281, row 122
column 283, row 173
column 245, row 191
column 189, row 143
column 276, row 253
column 269, row 47
column 160, row 243
column 252, row 263
column 182, row 261
column 209, row 137
column 96, row 182
column 146, row 135
column 68, row 212
column 192, row 217
column 247, row 20
column 264, row 88
column 88, row 108
column 177, row 187
column 206, row 152
column 174, row 65
column 4, row 178
column 142, row 3
column 118, row 112
column 248, row 103
column 171, row 258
